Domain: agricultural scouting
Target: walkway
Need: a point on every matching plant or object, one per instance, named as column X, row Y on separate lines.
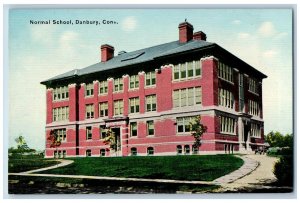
column 248, row 166
column 258, row 178
column 62, row 163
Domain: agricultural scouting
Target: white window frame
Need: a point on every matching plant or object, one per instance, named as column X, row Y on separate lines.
column 57, row 114
column 103, row 86
column 89, row 109
column 103, row 107
column 151, row 100
column 227, row 125
column 88, row 130
column 118, row 107
column 183, row 97
column 58, row 92
column 89, row 90
column 152, row 77
column 134, row 79
column 184, row 121
column 225, row 72
column 136, row 104
column 148, row 127
column 132, row 128
column 119, row 82
column 184, row 68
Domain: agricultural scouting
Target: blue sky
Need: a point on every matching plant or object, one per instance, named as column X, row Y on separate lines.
column 261, row 37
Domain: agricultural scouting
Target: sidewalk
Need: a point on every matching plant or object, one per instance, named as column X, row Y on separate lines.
column 63, row 163
column 248, row 166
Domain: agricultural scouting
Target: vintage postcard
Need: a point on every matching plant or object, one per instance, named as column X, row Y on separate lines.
column 150, row 101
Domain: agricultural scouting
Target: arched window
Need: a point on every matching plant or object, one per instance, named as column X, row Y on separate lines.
column 88, row 153
column 179, row 149
column 150, row 151
column 102, row 152
column 133, row 151
column 187, row 149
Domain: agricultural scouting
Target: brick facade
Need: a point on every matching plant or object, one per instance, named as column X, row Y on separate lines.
column 166, row 139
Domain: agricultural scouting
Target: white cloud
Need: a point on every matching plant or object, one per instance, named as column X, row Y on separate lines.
column 67, row 41
column 42, row 34
column 267, row 29
column 270, row 53
column 236, row 22
column 129, row 24
column 243, row 35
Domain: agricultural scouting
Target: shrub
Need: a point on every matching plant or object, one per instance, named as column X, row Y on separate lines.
column 283, row 170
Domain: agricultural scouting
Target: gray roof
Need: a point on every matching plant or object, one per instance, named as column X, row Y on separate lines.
column 136, row 57
column 141, row 56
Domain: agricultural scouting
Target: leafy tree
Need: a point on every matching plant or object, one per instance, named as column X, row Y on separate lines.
column 110, row 139
column 54, row 139
column 21, row 143
column 278, row 140
column 198, row 129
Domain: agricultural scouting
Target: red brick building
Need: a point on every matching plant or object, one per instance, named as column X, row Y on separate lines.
column 148, row 98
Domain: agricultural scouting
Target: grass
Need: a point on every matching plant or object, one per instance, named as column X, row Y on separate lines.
column 21, row 163
column 205, row 167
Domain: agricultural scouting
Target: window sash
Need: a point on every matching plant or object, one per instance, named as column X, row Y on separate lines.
column 150, row 127
column 134, row 105
column 118, row 107
column 89, row 89
column 103, row 109
column 150, row 78
column 103, row 87
column 187, row 97
column 133, row 129
column 134, row 82
column 88, row 133
column 151, row 103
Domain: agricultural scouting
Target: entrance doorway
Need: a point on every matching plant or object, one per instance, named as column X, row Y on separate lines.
column 117, row 138
column 246, row 134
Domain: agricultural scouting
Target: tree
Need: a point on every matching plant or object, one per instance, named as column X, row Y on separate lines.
column 54, row 139
column 278, row 140
column 21, row 143
column 198, row 129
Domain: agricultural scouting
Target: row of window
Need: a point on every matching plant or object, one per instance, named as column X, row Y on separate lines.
column 225, row 72
column 226, row 98
column 150, row 151
column 60, row 93
column 255, row 130
column 227, row 125
column 187, row 70
column 184, row 125
column 60, row 113
column 187, row 97
column 61, row 134
column 134, row 106
column 60, row 154
column 150, row 128
column 253, row 85
column 118, row 84
column 253, row 108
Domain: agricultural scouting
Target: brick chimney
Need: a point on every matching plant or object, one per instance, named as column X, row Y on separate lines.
column 107, row 52
column 185, row 32
column 199, row 36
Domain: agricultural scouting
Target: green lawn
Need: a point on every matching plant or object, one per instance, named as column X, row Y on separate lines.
column 205, row 167
column 18, row 164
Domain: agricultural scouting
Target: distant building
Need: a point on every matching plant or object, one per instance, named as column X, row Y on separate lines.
column 149, row 97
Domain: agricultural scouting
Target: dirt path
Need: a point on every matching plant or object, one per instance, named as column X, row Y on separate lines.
column 262, row 175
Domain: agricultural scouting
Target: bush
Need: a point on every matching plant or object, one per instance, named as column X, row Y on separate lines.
column 283, row 170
